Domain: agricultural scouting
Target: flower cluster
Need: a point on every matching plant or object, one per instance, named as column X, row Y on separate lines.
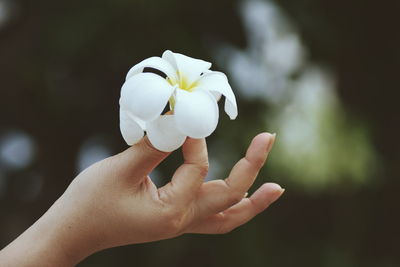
column 190, row 89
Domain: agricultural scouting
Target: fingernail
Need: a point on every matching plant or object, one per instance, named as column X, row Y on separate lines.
column 276, row 192
column 271, row 142
column 281, row 191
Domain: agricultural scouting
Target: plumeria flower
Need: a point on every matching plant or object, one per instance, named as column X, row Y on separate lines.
column 191, row 92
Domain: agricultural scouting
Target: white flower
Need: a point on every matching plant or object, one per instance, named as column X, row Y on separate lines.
column 192, row 91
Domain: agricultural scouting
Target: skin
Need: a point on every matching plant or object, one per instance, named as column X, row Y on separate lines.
column 114, row 203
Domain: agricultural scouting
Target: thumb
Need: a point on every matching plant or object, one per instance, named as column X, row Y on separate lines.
column 139, row 160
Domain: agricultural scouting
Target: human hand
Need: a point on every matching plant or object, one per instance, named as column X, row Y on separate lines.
column 114, row 203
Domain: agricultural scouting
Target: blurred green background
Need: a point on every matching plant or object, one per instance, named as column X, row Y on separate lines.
column 321, row 74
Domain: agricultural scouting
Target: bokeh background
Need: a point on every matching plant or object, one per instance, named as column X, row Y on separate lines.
column 323, row 75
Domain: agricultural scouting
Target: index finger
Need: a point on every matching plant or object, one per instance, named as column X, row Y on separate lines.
column 188, row 178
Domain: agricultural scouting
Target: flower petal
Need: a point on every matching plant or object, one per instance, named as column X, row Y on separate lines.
column 196, row 113
column 164, row 135
column 217, row 82
column 145, row 95
column 131, row 131
column 188, row 67
column 155, row 63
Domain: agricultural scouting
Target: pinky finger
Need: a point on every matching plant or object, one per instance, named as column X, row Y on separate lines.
column 239, row 214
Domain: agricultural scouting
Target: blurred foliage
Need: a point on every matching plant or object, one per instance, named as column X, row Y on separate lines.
column 62, row 64
column 318, row 137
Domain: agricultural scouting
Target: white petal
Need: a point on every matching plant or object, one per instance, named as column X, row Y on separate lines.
column 155, row 63
column 196, row 113
column 145, row 95
column 131, row 131
column 216, row 95
column 190, row 68
column 164, row 135
column 217, row 82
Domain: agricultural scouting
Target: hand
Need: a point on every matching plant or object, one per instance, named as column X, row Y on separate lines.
column 114, row 203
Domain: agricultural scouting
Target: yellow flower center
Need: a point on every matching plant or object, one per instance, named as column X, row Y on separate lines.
column 183, row 84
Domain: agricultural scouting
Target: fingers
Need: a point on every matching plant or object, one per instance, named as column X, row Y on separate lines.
column 240, row 213
column 218, row 195
column 138, row 161
column 245, row 171
column 190, row 175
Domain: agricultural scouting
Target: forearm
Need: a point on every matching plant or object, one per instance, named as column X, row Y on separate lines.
column 53, row 240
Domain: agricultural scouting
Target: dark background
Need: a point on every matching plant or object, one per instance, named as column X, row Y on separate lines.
column 62, row 64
